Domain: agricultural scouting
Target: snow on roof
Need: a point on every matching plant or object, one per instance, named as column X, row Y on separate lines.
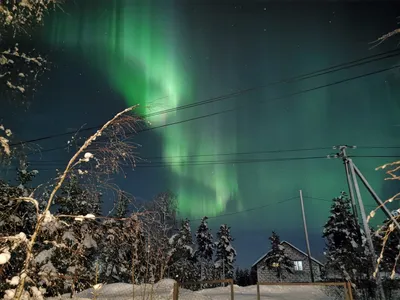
column 294, row 247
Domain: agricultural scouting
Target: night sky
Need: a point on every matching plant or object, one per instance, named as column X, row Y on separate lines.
column 107, row 55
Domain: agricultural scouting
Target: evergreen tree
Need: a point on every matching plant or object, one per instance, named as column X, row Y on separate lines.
column 242, row 277
column 238, row 274
column 225, row 253
column 277, row 259
column 181, row 264
column 246, row 277
column 205, row 249
column 75, row 200
column 122, row 206
column 79, row 237
column 346, row 250
column 253, row 276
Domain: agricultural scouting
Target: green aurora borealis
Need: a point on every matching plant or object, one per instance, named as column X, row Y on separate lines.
column 139, row 55
column 147, row 52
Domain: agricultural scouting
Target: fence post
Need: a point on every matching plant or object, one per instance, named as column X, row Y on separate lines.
column 349, row 291
column 175, row 293
column 258, row 292
column 232, row 290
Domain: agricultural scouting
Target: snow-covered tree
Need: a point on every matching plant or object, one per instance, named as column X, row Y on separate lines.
column 346, row 250
column 101, row 155
column 242, row 277
column 20, row 65
column 181, row 264
column 159, row 227
column 121, row 245
column 76, row 200
column 15, row 217
column 277, row 259
column 225, row 253
column 122, row 205
column 205, row 249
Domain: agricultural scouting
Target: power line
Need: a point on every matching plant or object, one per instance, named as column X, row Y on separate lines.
column 152, row 159
column 325, row 71
column 376, row 156
column 250, row 209
column 217, row 154
column 216, row 162
column 244, row 106
column 267, row 205
column 378, row 147
column 331, row 201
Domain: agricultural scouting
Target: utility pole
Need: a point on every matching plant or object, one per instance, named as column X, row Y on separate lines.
column 306, row 235
column 352, row 181
column 345, row 159
column 351, row 176
column 367, row 230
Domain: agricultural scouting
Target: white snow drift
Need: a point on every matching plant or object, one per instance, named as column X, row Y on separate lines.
column 163, row 291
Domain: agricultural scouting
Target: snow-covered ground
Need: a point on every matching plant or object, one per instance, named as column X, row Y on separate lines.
column 163, row 291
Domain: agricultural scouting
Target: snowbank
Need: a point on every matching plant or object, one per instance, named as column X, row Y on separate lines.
column 163, row 291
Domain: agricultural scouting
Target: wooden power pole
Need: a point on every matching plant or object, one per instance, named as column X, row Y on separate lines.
column 306, row 236
column 352, row 172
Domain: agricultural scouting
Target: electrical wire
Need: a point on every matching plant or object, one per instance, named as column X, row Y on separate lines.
column 206, row 163
column 325, row 71
column 331, row 201
column 250, row 209
column 243, row 106
column 163, row 158
column 268, row 205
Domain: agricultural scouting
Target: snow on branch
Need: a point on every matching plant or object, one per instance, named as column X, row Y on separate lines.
column 384, row 37
column 20, row 71
column 21, row 14
column 5, row 134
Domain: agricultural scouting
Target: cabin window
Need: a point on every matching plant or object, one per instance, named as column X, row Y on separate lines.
column 298, row 265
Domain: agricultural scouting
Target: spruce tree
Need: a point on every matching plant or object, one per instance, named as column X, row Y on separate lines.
column 277, row 259
column 181, row 264
column 238, row 275
column 76, row 200
column 346, row 250
column 205, row 249
column 122, row 206
column 84, row 236
column 246, row 277
column 225, row 254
